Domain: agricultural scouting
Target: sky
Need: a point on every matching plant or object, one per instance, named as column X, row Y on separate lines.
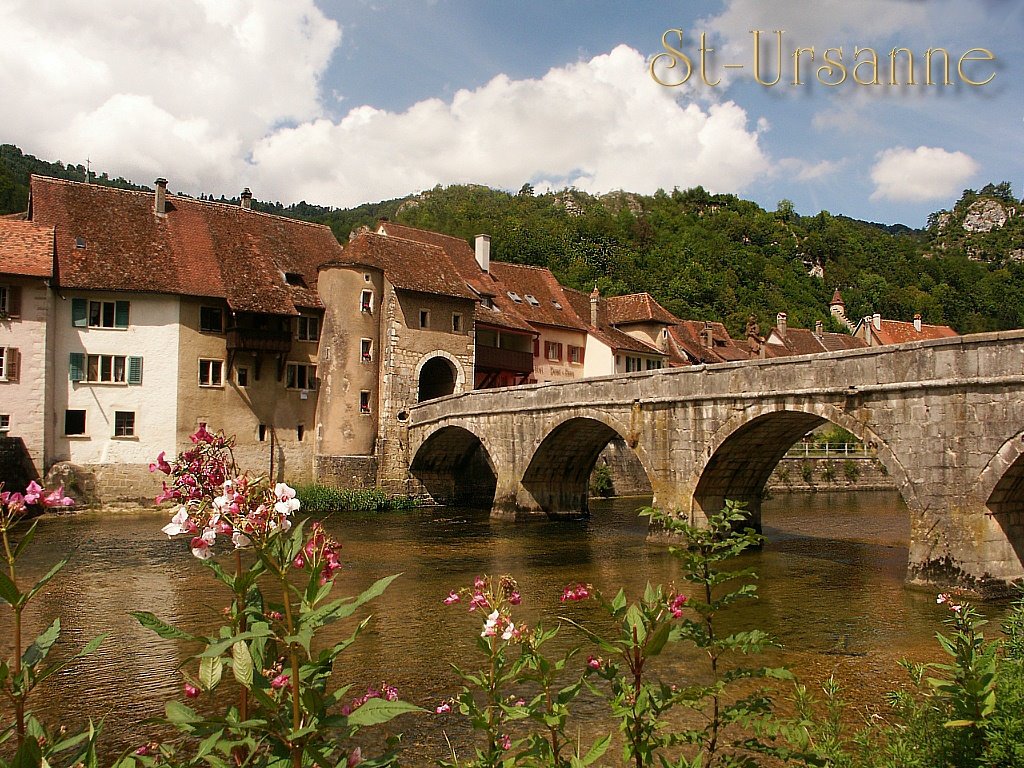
column 341, row 102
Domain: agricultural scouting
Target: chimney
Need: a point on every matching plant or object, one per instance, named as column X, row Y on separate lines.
column 876, row 321
column 483, row 252
column 819, row 327
column 246, row 199
column 707, row 337
column 917, row 322
column 595, row 297
column 160, row 201
column 780, row 323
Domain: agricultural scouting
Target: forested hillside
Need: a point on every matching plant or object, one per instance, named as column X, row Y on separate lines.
column 704, row 256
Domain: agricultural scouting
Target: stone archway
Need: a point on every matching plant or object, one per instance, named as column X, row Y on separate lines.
column 438, row 374
column 557, row 480
column 454, row 468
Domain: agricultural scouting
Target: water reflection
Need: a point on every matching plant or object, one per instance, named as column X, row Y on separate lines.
column 831, row 590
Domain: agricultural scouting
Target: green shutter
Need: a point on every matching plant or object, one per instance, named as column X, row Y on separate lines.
column 121, row 314
column 80, row 313
column 76, row 366
column 134, row 370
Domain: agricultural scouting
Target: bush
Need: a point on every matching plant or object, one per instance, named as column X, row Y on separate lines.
column 851, row 470
column 807, row 471
column 318, row 499
column 828, row 472
column 601, row 481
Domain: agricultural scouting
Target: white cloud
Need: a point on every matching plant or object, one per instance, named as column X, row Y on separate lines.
column 804, row 170
column 917, row 175
column 598, row 125
column 159, row 88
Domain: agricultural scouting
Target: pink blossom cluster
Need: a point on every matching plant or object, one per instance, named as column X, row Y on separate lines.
column 320, row 551
column 382, row 691
column 14, row 504
column 576, row 593
column 950, row 602
column 675, row 605
column 214, row 504
column 497, row 598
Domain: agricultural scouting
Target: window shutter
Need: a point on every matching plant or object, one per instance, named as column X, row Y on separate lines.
column 121, row 314
column 14, row 301
column 12, row 363
column 76, row 366
column 80, row 313
column 559, row 350
column 536, row 346
column 134, row 370
column 583, row 353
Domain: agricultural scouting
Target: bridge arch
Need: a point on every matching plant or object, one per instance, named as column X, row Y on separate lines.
column 1001, row 483
column 454, row 467
column 557, row 479
column 744, row 452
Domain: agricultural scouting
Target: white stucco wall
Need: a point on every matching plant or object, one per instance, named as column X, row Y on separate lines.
column 153, row 334
column 599, row 361
column 23, row 396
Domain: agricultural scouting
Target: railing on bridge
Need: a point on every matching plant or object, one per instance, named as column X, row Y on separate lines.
column 830, row 451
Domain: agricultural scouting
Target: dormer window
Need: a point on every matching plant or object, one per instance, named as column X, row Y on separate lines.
column 294, row 278
column 515, row 297
column 555, row 304
column 79, row 242
column 532, row 300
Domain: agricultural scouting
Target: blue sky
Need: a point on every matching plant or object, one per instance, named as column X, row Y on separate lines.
column 340, row 102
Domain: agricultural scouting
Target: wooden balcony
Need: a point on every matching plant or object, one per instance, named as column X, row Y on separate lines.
column 259, row 340
column 495, row 359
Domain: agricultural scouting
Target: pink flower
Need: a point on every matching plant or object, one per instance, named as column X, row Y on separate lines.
column 478, row 601
column 355, row 757
column 443, row 708
column 32, row 493
column 675, row 607
column 191, row 691
column 279, row 682
column 515, row 598
column 576, row 593
column 505, row 742
column 161, row 464
column 594, row 662
column 453, row 597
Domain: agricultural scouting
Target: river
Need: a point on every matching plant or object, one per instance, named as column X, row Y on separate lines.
column 831, row 590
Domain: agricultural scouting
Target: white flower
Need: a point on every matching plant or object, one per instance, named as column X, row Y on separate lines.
column 177, row 524
column 284, row 491
column 240, row 540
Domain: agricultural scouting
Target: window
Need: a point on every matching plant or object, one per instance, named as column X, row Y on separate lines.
column 10, row 301
column 211, row 373
column 365, row 350
column 79, row 242
column 574, row 354
column 308, row 328
column 211, row 319
column 5, row 423
column 531, row 300
column 553, row 350
column 424, row 318
column 366, row 277
column 105, row 369
column 261, row 433
column 364, row 401
column 99, row 314
column 124, row 423
column 514, row 296
column 366, row 302
column 74, row 422
column 653, row 365
column 456, row 322
column 8, row 364
column 300, row 432
column 242, row 377
column 294, row 278
column 300, row 376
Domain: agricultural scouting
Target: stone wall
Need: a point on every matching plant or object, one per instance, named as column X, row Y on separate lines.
column 628, row 475
column 819, row 474
column 350, row 472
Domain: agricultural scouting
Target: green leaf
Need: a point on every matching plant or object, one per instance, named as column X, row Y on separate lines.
column 41, row 645
column 241, row 663
column 218, row 648
column 9, row 591
column 45, row 580
column 619, row 602
column 26, row 539
column 596, row 751
column 179, row 714
column 210, row 670
column 658, row 639
column 162, row 628
column 376, row 711
column 29, row 754
column 91, row 646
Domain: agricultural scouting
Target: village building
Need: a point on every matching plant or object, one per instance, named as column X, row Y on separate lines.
column 26, row 270
column 172, row 313
column 876, row 331
column 696, row 342
column 783, row 341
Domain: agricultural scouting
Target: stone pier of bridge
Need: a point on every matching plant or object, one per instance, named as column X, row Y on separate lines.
column 945, row 417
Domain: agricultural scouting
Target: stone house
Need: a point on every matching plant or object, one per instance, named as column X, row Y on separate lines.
column 172, row 312
column 783, row 341
column 397, row 330
column 26, row 270
column 875, row 331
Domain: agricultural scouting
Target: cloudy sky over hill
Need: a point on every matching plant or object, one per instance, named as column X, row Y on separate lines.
column 348, row 101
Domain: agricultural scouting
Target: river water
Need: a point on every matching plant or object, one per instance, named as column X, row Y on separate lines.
column 831, row 591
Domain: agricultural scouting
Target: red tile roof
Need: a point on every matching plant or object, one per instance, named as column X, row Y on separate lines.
column 801, row 341
column 26, row 248
column 552, row 307
column 687, row 337
column 617, row 340
column 898, row 332
column 637, row 308
column 197, row 248
column 407, row 264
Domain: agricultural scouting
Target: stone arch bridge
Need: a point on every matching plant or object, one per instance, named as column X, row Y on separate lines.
column 946, row 418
